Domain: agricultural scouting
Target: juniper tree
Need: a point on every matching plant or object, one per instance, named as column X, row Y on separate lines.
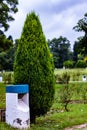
column 34, row 66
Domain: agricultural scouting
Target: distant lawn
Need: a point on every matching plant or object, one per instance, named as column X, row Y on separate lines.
column 56, row 118
column 75, row 74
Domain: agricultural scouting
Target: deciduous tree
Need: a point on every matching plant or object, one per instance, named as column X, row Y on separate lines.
column 82, row 26
column 7, row 7
column 60, row 48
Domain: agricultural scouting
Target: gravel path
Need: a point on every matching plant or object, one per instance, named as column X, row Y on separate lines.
column 78, row 127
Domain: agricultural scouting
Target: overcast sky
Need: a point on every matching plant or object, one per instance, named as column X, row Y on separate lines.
column 58, row 17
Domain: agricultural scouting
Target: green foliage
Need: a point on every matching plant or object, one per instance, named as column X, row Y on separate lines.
column 60, row 48
column 75, row 74
column 34, row 66
column 65, row 96
column 6, row 61
column 2, row 60
column 82, row 41
column 2, row 95
column 75, row 51
column 8, row 77
column 82, row 24
column 65, row 91
column 63, row 79
column 68, row 64
column 7, row 58
column 5, row 126
column 81, row 45
column 80, row 64
column 6, row 8
column 5, row 43
column 74, row 77
column 83, row 91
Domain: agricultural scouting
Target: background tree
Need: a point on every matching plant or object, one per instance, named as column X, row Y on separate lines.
column 81, row 64
column 6, row 8
column 5, row 43
column 68, row 64
column 7, row 56
column 34, row 66
column 60, row 48
column 82, row 26
column 75, row 51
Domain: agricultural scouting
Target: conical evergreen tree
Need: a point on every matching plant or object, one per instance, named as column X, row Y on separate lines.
column 34, row 66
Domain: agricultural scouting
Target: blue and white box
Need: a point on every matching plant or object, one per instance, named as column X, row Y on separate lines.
column 17, row 106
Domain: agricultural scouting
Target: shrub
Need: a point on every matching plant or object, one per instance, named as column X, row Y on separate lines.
column 65, row 90
column 63, row 79
column 34, row 66
column 80, row 64
column 76, row 76
column 68, row 64
column 65, row 96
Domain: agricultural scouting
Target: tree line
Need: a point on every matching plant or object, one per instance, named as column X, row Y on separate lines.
column 59, row 47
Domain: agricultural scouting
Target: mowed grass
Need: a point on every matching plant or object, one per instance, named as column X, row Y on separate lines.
column 80, row 70
column 56, row 118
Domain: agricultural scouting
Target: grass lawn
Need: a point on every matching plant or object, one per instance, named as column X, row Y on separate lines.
column 75, row 74
column 2, row 95
column 56, row 118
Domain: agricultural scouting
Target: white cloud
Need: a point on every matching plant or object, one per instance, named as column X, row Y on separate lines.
column 58, row 17
column 63, row 23
column 17, row 25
